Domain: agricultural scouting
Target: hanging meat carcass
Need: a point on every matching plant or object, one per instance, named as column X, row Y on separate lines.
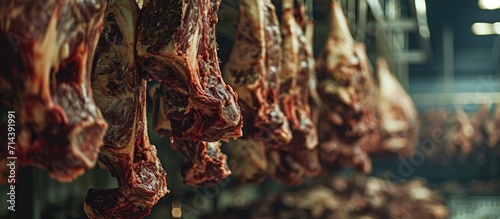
column 120, row 93
column 396, row 113
column 204, row 163
column 47, row 52
column 493, row 130
column 347, row 91
column 433, row 132
column 176, row 45
column 299, row 157
column 253, row 70
column 459, row 136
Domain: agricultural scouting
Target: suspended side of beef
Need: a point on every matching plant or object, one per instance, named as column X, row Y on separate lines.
column 295, row 90
column 253, row 69
column 396, row 113
column 204, row 163
column 347, row 90
column 120, row 93
column 176, row 45
column 47, row 52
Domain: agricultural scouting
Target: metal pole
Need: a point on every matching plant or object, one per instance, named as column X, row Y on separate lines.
column 448, row 60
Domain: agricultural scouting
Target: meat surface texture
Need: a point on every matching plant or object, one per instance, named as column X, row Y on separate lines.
column 348, row 198
column 459, row 135
column 479, row 121
column 252, row 160
column 205, row 164
column 493, row 130
column 176, row 45
column 298, row 157
column 47, row 52
column 347, row 91
column 271, row 67
column 433, row 129
column 295, row 85
column 396, row 113
column 355, row 198
column 253, row 69
column 120, row 93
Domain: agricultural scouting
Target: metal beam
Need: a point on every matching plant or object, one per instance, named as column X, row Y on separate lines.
column 446, row 99
column 411, row 56
column 404, row 25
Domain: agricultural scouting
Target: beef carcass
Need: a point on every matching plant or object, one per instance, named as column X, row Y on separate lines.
column 176, row 45
column 345, row 80
column 283, row 167
column 204, row 163
column 47, row 52
column 459, row 136
column 347, row 91
column 120, row 93
column 396, row 113
column 479, row 121
column 251, row 160
column 493, row 130
column 299, row 157
column 368, row 198
column 252, row 70
column 295, row 89
column 314, row 99
column 337, row 152
column 433, row 132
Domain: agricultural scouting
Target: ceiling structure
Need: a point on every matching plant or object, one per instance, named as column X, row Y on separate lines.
column 470, row 60
column 459, row 61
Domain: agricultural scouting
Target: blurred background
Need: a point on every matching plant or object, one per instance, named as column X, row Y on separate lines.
column 445, row 53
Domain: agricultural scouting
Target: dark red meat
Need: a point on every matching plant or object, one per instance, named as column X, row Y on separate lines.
column 120, row 93
column 47, row 52
column 295, row 90
column 176, row 45
column 347, row 91
column 253, row 69
column 396, row 113
column 205, row 164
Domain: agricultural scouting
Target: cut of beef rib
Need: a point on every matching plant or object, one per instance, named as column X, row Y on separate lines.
column 47, row 52
column 252, row 70
column 396, row 113
column 347, row 91
column 176, row 45
column 205, row 164
column 120, row 93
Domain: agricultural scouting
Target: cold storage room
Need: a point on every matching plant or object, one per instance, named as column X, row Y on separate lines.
column 250, row 109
